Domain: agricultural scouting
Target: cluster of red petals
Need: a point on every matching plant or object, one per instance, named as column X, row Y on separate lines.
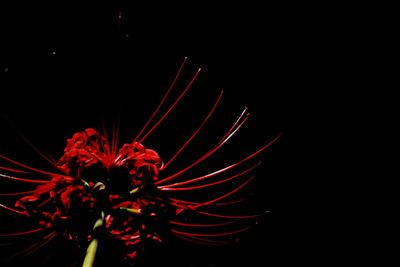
column 69, row 199
column 82, row 150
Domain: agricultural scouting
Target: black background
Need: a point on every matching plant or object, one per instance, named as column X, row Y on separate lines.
column 67, row 66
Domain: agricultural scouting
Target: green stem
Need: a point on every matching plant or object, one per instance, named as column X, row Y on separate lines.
column 92, row 248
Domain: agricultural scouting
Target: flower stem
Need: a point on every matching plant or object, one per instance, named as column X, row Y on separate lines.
column 92, row 248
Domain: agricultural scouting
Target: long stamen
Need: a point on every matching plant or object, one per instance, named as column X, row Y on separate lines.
column 13, row 210
column 228, row 167
column 229, row 216
column 231, row 202
column 40, row 153
column 172, row 107
column 162, row 101
column 117, row 135
column 203, row 185
column 205, row 156
column 195, row 132
column 183, row 202
column 235, row 124
column 28, row 167
column 168, row 187
column 31, row 249
column 201, row 224
column 48, row 239
column 225, row 195
column 24, row 233
column 17, row 193
column 12, row 170
column 213, row 235
column 200, row 241
column 107, row 147
column 23, row 179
